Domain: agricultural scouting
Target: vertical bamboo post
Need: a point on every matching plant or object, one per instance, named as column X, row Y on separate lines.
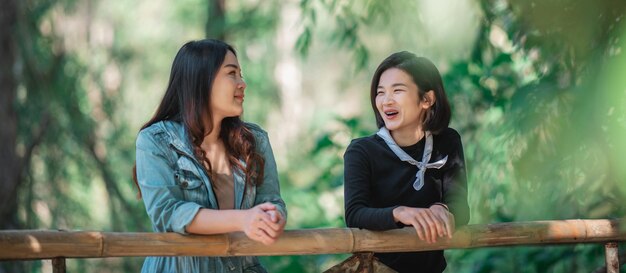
column 58, row 265
column 612, row 257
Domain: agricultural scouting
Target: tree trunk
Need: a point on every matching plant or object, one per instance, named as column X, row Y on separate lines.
column 10, row 165
column 215, row 25
column 9, row 159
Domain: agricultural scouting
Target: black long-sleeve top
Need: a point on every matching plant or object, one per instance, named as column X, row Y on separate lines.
column 377, row 181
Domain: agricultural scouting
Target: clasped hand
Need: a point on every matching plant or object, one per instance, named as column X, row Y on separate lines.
column 429, row 223
column 263, row 223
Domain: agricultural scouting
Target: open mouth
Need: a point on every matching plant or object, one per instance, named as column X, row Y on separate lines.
column 391, row 114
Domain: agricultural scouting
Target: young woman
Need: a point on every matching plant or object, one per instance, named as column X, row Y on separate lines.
column 200, row 169
column 412, row 171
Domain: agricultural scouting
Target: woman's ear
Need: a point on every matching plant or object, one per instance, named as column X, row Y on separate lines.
column 428, row 100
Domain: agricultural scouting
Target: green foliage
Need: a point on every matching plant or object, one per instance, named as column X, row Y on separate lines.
column 538, row 98
column 541, row 111
column 251, row 28
column 68, row 122
column 349, row 18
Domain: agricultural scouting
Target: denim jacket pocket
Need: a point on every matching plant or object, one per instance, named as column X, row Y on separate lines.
column 190, row 181
column 252, row 265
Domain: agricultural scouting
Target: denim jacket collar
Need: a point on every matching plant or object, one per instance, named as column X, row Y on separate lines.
column 179, row 141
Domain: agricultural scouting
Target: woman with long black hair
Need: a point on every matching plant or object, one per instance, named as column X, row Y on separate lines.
column 200, row 169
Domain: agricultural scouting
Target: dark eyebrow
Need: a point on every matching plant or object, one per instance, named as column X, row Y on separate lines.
column 395, row 85
column 232, row 65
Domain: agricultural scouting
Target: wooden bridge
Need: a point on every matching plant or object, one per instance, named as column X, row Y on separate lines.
column 59, row 245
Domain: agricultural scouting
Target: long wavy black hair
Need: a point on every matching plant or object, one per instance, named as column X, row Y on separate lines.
column 188, row 99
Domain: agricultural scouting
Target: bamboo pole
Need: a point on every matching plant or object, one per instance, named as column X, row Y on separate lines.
column 30, row 244
column 612, row 259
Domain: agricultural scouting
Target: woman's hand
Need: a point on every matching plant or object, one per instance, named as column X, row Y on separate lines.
column 444, row 214
column 426, row 222
column 263, row 223
column 278, row 218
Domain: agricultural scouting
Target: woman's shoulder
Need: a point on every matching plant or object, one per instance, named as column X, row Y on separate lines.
column 160, row 127
column 158, row 131
column 449, row 134
column 363, row 143
column 150, row 133
column 255, row 129
column 448, row 139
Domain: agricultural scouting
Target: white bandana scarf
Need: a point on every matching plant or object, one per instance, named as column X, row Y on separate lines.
column 421, row 166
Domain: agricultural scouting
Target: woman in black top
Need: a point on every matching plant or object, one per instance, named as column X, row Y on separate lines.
column 412, row 171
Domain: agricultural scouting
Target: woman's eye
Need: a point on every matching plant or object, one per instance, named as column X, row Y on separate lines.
column 378, row 93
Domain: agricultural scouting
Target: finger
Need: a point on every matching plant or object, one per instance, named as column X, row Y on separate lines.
column 263, row 216
column 433, row 225
column 257, row 235
column 267, row 239
column 267, row 206
column 447, row 219
column 436, row 215
column 270, row 233
column 447, row 224
column 419, row 217
column 274, row 215
column 451, row 224
column 282, row 221
column 264, row 226
column 281, row 224
column 427, row 230
column 260, row 236
column 272, row 224
column 418, row 229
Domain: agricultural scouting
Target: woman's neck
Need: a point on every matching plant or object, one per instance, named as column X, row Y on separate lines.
column 407, row 137
column 212, row 142
column 213, row 137
column 215, row 151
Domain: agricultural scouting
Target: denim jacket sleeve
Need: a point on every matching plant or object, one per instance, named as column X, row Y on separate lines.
column 162, row 197
column 269, row 190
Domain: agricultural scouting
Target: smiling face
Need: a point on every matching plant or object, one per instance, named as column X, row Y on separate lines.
column 398, row 101
column 228, row 88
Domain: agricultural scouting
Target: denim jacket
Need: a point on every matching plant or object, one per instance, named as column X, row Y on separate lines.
column 175, row 186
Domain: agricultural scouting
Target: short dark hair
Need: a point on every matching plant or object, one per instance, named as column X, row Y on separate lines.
column 426, row 77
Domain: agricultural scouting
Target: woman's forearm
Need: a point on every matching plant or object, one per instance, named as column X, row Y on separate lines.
column 211, row 221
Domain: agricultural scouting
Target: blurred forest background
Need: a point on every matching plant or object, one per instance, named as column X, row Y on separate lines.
column 538, row 90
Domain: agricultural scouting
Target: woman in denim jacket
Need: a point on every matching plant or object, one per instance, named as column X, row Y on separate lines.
column 200, row 169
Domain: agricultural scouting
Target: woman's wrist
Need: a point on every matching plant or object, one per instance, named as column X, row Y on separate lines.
column 441, row 204
column 395, row 213
column 241, row 217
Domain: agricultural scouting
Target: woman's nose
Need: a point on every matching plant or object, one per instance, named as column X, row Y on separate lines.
column 242, row 84
column 388, row 99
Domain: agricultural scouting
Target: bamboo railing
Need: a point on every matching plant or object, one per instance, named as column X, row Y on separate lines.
column 45, row 244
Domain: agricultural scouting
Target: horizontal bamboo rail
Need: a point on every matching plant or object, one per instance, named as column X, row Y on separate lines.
column 35, row 244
